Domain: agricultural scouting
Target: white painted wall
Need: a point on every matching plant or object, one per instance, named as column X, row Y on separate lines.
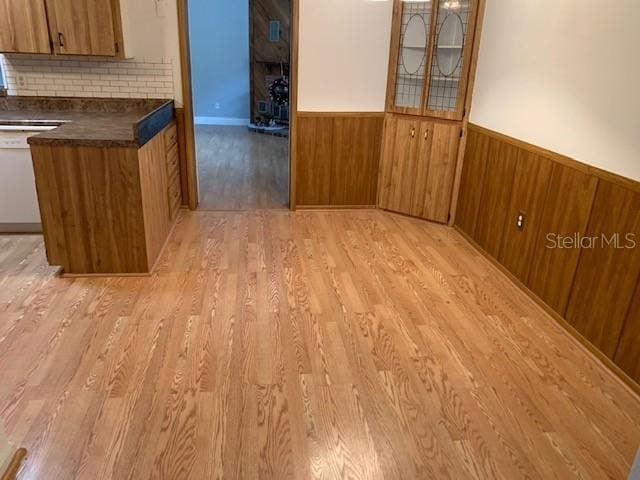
column 564, row 75
column 153, row 32
column 343, row 55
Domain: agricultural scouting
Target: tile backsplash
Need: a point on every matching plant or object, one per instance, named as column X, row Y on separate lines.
column 33, row 75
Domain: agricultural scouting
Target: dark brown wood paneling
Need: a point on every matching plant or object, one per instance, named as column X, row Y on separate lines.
column 473, row 173
column 628, row 352
column 529, row 193
column 338, row 158
column 566, row 213
column 596, row 291
column 315, row 146
column 266, row 56
column 607, row 274
column 496, row 196
column 355, row 160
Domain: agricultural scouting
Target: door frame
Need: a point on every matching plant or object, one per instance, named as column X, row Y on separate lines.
column 191, row 170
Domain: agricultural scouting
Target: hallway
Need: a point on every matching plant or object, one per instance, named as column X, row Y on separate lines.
column 241, row 170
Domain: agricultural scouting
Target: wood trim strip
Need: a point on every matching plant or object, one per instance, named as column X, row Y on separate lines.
column 622, row 377
column 602, row 174
column 293, row 131
column 337, row 207
column 477, row 34
column 308, row 114
column 187, row 101
column 14, row 464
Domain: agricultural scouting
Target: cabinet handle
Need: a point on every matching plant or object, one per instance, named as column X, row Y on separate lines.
column 426, row 135
column 61, row 39
column 413, row 132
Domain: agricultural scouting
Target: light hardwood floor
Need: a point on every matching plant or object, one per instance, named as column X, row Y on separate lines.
column 241, row 170
column 301, row 345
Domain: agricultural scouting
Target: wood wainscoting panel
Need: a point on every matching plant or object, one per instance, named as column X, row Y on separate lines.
column 566, row 213
column 496, row 196
column 338, row 155
column 355, row 160
column 593, row 292
column 607, row 274
column 472, row 180
column 315, row 148
column 627, row 354
column 530, row 186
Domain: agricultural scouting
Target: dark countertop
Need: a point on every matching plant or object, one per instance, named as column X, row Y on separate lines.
column 89, row 121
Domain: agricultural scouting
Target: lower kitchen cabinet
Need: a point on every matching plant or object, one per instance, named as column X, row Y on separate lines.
column 107, row 210
column 418, row 167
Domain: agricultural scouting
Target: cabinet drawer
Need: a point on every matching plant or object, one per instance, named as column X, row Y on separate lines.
column 170, row 136
column 175, row 196
column 173, row 164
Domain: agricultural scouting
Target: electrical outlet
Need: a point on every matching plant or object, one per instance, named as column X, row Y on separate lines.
column 520, row 220
column 22, row 81
column 217, row 105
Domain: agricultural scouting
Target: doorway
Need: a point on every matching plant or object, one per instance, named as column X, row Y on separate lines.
column 240, row 57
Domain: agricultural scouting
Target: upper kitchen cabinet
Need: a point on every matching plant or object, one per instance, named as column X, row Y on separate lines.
column 65, row 27
column 82, row 27
column 23, row 27
column 431, row 48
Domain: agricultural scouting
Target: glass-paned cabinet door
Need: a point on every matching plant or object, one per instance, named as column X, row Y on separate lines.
column 412, row 55
column 451, row 55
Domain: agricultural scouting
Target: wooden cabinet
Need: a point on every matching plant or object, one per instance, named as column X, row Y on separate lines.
column 107, row 210
column 82, row 27
column 430, row 60
column 174, row 190
column 418, row 167
column 23, row 27
column 432, row 45
column 65, row 27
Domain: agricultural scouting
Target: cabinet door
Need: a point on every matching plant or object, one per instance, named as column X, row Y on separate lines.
column 398, row 165
column 23, row 27
column 410, row 47
column 437, row 159
column 82, row 27
column 451, row 58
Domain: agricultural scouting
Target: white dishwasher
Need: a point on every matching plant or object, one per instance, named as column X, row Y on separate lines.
column 19, row 212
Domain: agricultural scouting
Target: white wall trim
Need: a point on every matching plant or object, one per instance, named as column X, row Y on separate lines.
column 243, row 122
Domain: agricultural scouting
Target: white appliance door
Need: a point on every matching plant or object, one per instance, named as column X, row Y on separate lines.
column 19, row 210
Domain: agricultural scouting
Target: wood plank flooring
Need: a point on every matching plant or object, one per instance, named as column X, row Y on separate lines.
column 240, row 170
column 322, row 345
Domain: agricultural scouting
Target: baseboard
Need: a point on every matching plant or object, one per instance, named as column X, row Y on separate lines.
column 585, row 344
column 19, row 228
column 335, row 207
column 238, row 122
